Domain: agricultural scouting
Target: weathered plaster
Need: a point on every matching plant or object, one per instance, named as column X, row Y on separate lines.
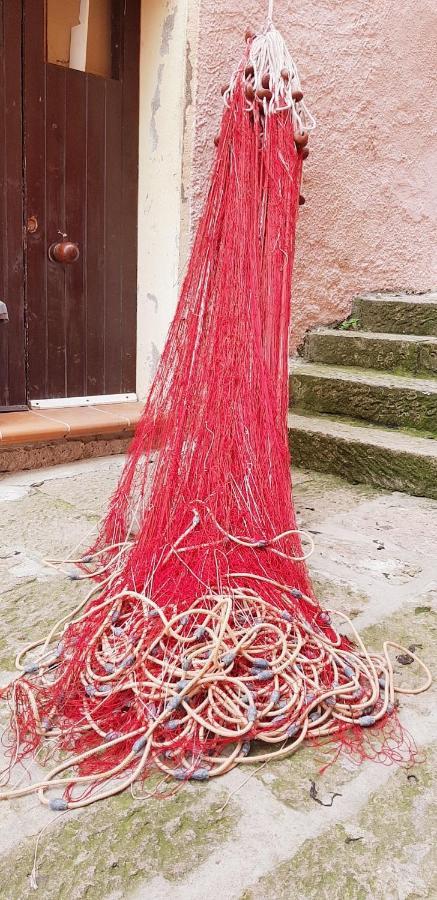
column 370, row 182
column 191, row 83
column 162, row 89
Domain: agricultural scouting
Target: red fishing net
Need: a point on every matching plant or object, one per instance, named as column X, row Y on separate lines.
column 201, row 634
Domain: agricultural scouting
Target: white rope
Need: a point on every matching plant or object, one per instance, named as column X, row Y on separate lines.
column 269, row 55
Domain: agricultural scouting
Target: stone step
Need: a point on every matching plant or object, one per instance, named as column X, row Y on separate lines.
column 383, row 399
column 407, row 353
column 398, row 313
column 387, row 459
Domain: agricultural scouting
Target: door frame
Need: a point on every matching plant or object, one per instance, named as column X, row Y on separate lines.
column 81, row 319
column 15, row 70
column 168, row 87
column 13, row 396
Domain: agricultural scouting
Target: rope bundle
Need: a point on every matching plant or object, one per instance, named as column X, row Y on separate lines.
column 271, row 76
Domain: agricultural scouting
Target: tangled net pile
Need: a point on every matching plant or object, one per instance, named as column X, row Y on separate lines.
column 201, row 633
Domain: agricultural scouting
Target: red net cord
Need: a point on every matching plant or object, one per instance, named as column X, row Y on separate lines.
column 202, row 633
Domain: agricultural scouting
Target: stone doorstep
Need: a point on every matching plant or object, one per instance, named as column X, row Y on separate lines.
column 396, row 401
column 36, row 438
column 398, row 313
column 365, row 454
column 410, row 353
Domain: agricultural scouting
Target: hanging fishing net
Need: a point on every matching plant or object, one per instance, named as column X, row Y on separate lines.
column 201, row 640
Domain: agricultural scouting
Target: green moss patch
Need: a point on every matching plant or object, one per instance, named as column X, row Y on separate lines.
column 112, row 848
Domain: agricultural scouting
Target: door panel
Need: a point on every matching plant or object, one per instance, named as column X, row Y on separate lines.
column 34, row 106
column 57, row 351
column 95, row 226
column 12, row 332
column 75, row 189
column 129, row 199
column 113, row 235
column 81, row 155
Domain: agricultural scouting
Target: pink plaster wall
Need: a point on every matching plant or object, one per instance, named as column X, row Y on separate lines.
column 368, row 69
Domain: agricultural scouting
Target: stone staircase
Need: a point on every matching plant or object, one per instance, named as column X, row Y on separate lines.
column 364, row 395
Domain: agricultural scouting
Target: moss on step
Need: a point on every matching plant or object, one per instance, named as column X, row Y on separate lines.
column 393, row 403
column 402, row 315
column 110, row 849
column 366, row 462
column 361, row 423
column 352, row 323
column 428, row 358
column 402, row 356
column 393, row 857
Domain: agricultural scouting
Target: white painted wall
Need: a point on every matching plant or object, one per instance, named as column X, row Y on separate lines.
column 163, row 110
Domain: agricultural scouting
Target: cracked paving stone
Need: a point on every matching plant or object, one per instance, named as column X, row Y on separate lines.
column 29, row 610
column 415, row 624
column 339, row 594
column 289, row 780
column 84, row 492
column 394, row 859
column 41, row 525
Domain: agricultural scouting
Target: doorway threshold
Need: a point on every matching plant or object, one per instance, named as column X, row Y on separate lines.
column 36, row 437
column 101, row 400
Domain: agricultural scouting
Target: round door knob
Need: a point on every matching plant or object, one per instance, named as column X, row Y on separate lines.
column 64, row 252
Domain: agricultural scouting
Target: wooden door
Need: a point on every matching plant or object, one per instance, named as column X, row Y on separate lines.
column 81, row 181
column 12, row 327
